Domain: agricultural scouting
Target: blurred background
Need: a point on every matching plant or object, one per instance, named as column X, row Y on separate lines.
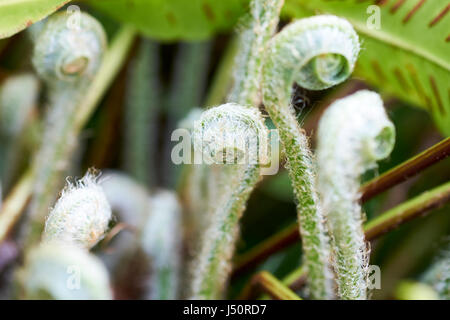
column 164, row 78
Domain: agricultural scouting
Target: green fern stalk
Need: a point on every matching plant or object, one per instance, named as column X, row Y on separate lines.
column 264, row 16
column 238, row 176
column 67, row 59
column 354, row 132
column 224, row 132
column 316, row 53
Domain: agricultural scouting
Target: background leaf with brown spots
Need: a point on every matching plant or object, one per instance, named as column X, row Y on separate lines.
column 407, row 57
column 16, row 15
column 171, row 20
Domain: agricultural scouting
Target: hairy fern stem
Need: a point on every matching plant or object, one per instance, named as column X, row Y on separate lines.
column 66, row 58
column 234, row 122
column 354, row 132
column 223, row 133
column 316, row 53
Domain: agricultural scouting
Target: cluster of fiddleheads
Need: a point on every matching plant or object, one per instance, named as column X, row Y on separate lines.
column 315, row 53
column 67, row 58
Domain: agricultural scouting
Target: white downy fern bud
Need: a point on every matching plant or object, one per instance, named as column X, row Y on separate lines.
column 354, row 133
column 63, row 272
column 80, row 216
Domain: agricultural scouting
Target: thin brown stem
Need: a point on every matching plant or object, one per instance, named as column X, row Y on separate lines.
column 14, row 204
column 406, row 211
column 265, row 282
column 391, row 219
column 398, row 174
column 406, row 170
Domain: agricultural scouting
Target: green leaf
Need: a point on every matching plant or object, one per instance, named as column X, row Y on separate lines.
column 16, row 15
column 175, row 19
column 408, row 57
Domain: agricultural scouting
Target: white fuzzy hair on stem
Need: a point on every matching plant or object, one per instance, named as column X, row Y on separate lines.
column 354, row 133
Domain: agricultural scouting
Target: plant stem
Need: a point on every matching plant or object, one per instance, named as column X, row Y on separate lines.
column 353, row 134
column 398, row 174
column 15, row 203
column 18, row 98
column 187, row 85
column 395, row 217
column 161, row 240
column 230, row 122
column 406, row 170
column 234, row 122
column 112, row 62
column 407, row 211
column 246, row 88
column 303, row 53
column 141, row 112
column 266, row 282
column 66, row 59
column 218, row 247
column 223, row 76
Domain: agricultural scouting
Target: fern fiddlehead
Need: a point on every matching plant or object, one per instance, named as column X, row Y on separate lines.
column 232, row 123
column 80, row 216
column 67, row 58
column 316, row 53
column 246, row 90
column 354, row 132
column 61, row 267
column 242, row 135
